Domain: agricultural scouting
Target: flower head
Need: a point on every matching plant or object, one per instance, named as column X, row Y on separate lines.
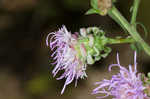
column 127, row 84
column 69, row 55
column 72, row 52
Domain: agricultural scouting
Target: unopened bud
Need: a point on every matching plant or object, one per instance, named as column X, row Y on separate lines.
column 104, row 6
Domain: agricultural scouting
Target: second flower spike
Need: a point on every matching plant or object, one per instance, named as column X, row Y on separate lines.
column 127, row 84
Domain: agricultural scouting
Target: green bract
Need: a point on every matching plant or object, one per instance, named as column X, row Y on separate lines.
column 92, row 44
column 94, row 41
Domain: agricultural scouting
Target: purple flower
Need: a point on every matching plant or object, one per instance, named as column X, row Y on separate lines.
column 126, row 84
column 68, row 54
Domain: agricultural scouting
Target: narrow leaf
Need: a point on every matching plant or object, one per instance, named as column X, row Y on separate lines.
column 94, row 4
column 91, row 11
column 144, row 28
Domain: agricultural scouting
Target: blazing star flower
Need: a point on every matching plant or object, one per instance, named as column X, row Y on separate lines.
column 69, row 55
column 126, row 84
column 73, row 52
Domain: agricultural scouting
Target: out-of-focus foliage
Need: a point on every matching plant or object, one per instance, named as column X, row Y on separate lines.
column 38, row 84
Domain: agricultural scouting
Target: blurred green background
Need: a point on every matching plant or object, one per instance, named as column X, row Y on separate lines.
column 25, row 70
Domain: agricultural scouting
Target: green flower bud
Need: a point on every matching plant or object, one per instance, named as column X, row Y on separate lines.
column 104, row 6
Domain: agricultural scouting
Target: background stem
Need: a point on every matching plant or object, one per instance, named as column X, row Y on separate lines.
column 134, row 11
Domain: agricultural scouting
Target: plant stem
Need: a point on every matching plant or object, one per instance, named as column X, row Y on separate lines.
column 134, row 11
column 120, row 40
column 116, row 15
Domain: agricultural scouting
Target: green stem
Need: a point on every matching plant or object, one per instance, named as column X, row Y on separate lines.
column 116, row 15
column 134, row 11
column 120, row 40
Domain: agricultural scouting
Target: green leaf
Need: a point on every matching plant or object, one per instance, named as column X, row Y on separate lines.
column 144, row 28
column 91, row 11
column 133, row 47
column 107, row 50
column 94, row 4
column 97, row 58
column 136, row 46
column 97, row 51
